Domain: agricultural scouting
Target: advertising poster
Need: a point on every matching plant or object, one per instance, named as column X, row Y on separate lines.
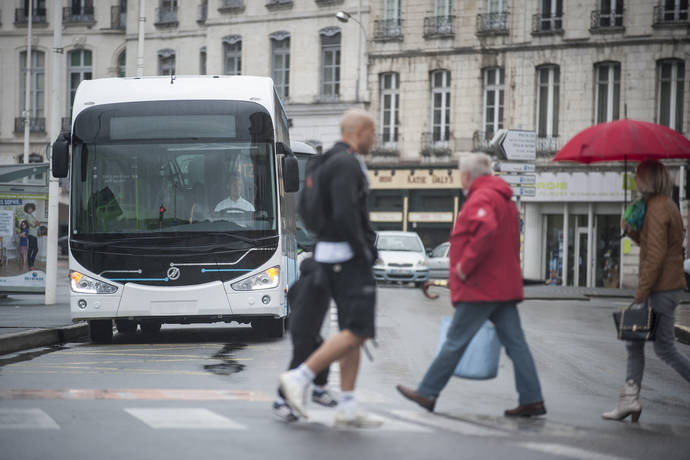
column 23, row 230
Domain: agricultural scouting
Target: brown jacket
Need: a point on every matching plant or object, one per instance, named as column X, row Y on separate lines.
column 661, row 248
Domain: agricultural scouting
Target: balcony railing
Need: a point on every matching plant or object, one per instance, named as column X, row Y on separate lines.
column 203, row 13
column 543, row 25
column 38, row 16
column 118, row 18
column 36, row 125
column 166, row 17
column 279, row 4
column 547, row 145
column 231, row 6
column 670, row 17
column 492, row 24
column 328, row 2
column 439, row 26
column 78, row 15
column 602, row 21
column 388, row 29
column 481, row 141
column 435, row 148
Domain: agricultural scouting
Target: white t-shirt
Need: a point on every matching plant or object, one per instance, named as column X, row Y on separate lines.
column 240, row 203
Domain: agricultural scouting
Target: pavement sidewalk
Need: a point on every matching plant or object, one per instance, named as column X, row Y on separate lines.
column 25, row 322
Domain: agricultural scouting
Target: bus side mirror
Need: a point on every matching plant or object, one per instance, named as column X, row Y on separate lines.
column 290, row 173
column 61, row 156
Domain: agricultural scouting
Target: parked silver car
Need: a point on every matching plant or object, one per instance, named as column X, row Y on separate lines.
column 439, row 263
column 401, row 258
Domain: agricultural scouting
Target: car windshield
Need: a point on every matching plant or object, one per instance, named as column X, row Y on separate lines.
column 399, row 243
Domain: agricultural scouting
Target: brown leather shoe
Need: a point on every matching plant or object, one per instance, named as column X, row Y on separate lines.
column 527, row 410
column 412, row 395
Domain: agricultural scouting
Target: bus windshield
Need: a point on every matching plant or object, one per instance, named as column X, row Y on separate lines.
column 212, row 174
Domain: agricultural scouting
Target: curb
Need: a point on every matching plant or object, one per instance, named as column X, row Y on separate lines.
column 34, row 338
column 682, row 334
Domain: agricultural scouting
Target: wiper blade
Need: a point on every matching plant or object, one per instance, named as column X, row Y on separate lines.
column 120, row 240
column 252, row 241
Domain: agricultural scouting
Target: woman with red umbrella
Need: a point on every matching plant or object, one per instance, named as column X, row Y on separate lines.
column 661, row 281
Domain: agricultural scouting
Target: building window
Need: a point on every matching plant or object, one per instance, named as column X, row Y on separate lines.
column 551, row 17
column 607, row 91
column 548, row 80
column 280, row 63
column 232, row 55
column 202, row 60
column 440, row 105
column 391, row 26
column 390, row 105
column 166, row 62
column 78, row 69
column 330, row 63
column 671, row 12
column 493, row 100
column 121, row 64
column 671, row 77
column 37, row 89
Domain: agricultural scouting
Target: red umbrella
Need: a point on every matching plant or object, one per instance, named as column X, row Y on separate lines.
column 624, row 140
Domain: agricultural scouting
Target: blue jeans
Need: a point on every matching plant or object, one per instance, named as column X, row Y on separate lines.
column 467, row 320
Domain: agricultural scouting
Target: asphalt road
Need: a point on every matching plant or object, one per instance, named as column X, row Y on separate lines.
column 205, row 392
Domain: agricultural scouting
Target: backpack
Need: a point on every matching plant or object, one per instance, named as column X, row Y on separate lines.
column 311, row 204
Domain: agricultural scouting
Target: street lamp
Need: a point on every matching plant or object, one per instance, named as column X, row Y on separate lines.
column 344, row 17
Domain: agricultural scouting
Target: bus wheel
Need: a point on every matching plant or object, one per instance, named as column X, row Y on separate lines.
column 126, row 326
column 270, row 327
column 101, row 330
column 150, row 327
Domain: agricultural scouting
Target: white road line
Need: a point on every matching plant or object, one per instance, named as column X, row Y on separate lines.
column 446, row 423
column 196, row 419
column 562, row 450
column 13, row 419
column 327, row 418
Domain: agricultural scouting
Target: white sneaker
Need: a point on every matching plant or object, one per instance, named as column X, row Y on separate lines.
column 359, row 419
column 294, row 392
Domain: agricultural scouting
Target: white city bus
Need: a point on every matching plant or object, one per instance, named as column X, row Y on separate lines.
column 181, row 208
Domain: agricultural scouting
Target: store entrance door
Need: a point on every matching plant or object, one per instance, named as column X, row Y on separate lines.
column 580, row 255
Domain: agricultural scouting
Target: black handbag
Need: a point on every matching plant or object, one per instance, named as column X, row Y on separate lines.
column 636, row 322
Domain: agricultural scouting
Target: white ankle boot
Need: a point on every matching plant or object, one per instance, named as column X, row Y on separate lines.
column 628, row 403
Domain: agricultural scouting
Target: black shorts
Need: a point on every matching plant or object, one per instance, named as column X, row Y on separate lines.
column 354, row 290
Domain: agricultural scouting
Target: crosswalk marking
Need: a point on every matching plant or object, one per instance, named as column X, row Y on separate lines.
column 327, row 418
column 562, row 450
column 447, row 423
column 197, row 419
column 26, row 419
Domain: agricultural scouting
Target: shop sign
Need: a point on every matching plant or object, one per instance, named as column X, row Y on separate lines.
column 378, row 216
column 415, row 178
column 430, row 217
column 580, row 186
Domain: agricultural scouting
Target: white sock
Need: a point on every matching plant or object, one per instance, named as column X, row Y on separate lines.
column 304, row 374
column 348, row 402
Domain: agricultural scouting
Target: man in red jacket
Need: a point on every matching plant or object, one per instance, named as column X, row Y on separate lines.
column 485, row 283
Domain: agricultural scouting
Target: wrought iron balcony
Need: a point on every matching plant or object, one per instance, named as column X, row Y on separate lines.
column 166, row 17
column 38, row 16
column 544, row 25
column 36, row 125
column 118, row 18
column 78, row 15
column 603, row 21
column 434, row 147
column 203, row 13
column 388, row 30
column 670, row 17
column 385, row 150
column 279, row 4
column 547, row 145
column 231, row 6
column 439, row 27
column 481, row 141
column 492, row 24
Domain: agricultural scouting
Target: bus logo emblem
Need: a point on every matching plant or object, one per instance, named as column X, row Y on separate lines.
column 173, row 273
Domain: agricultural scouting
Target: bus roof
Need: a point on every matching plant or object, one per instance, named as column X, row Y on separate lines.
column 138, row 89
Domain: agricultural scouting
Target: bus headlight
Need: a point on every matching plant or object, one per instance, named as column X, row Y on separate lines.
column 86, row 285
column 267, row 279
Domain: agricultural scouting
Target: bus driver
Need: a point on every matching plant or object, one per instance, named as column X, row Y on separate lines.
column 234, row 199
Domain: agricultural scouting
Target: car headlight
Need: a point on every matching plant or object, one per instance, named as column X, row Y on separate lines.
column 421, row 263
column 268, row 279
column 87, row 285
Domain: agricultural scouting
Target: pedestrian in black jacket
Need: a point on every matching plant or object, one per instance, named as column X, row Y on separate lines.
column 346, row 249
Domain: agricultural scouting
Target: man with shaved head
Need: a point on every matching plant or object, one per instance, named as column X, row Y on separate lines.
column 346, row 249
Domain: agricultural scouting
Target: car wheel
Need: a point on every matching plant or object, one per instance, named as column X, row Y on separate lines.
column 149, row 327
column 273, row 328
column 101, row 330
column 126, row 326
